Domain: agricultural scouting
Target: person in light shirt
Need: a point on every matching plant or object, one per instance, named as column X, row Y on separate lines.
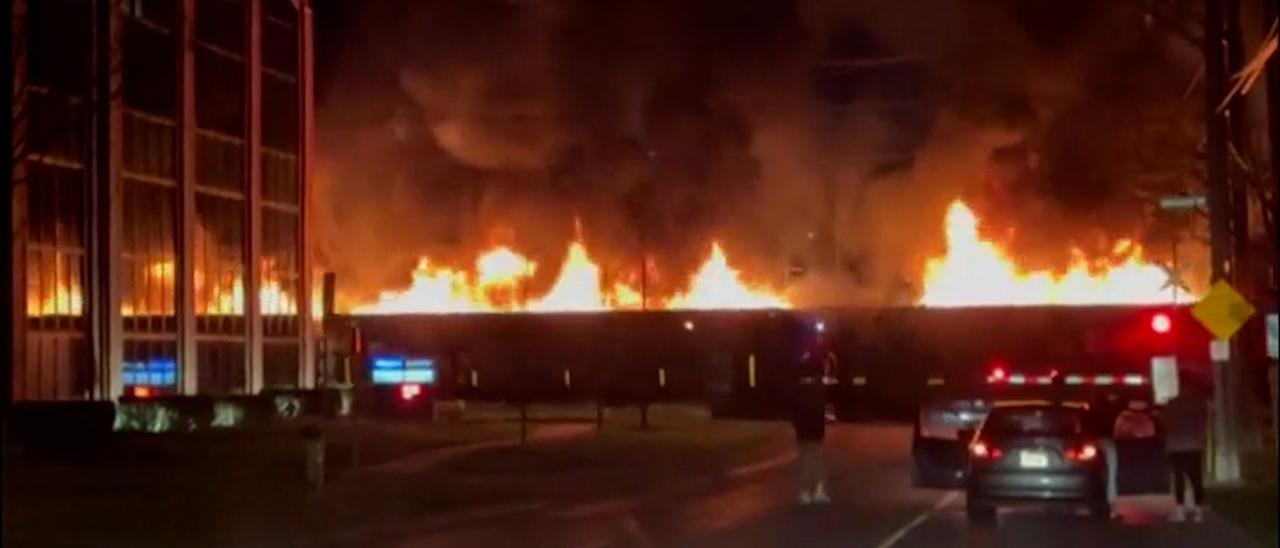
column 1135, row 422
column 1118, row 421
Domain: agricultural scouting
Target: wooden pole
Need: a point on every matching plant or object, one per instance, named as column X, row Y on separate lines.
column 1225, row 455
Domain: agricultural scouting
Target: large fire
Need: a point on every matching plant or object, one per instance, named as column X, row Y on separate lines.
column 976, row 272
column 716, row 285
column 972, row 272
column 500, row 283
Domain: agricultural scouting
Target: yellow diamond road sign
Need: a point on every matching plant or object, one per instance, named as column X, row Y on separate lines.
column 1222, row 311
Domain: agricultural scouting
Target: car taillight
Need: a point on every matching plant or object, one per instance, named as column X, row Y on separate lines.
column 1086, row 452
column 981, row 450
column 410, row 391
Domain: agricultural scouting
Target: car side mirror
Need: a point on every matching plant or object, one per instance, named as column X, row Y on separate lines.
column 965, row 436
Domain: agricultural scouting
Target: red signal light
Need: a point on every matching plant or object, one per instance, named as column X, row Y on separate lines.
column 997, row 374
column 1161, row 323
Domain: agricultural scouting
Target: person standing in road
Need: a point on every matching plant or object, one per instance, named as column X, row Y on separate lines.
column 1116, row 420
column 1186, row 421
column 808, row 418
column 1105, row 412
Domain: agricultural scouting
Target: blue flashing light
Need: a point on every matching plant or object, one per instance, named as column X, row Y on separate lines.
column 383, row 376
column 423, row 376
column 388, row 363
column 399, row 370
column 153, row 372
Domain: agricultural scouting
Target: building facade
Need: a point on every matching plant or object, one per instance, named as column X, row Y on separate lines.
column 161, row 152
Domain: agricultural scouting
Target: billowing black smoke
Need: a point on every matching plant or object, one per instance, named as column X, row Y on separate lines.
column 812, row 138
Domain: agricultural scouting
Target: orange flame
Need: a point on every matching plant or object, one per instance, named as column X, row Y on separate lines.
column 976, row 272
column 579, row 287
column 716, row 285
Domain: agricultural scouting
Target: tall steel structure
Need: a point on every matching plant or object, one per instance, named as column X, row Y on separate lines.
column 162, row 157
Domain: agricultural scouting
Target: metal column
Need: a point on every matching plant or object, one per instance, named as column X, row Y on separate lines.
column 104, row 282
column 13, row 297
column 306, row 78
column 253, row 147
column 187, row 355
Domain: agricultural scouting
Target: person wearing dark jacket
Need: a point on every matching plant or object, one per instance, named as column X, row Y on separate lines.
column 1186, row 423
column 809, row 419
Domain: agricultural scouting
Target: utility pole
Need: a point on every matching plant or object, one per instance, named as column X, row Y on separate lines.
column 1238, row 139
column 1225, row 459
column 1269, row 16
column 1248, row 344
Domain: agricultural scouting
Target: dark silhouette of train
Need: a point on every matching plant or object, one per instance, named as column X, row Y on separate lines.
column 882, row 362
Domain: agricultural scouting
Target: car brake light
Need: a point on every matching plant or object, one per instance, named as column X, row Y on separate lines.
column 410, row 391
column 1087, row 452
column 983, row 451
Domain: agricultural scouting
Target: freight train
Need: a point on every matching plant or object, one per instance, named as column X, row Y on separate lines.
column 883, row 363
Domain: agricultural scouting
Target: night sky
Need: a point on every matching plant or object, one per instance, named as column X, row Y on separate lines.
column 449, row 125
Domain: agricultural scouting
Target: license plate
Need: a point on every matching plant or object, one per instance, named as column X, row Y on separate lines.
column 1033, row 459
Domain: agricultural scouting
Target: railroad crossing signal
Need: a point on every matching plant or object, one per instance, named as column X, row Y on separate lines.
column 1223, row 310
column 1174, row 277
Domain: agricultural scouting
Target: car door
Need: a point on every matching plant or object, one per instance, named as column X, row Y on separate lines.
column 937, row 463
column 939, row 455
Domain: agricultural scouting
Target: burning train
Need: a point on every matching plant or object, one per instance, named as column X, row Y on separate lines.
column 729, row 341
column 171, row 252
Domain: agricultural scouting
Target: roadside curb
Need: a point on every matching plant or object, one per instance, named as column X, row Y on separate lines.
column 435, row 457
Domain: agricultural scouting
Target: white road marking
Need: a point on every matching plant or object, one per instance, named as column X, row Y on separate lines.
column 760, row 466
column 902, row 531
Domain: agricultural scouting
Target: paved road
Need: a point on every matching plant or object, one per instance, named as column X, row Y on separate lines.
column 874, row 507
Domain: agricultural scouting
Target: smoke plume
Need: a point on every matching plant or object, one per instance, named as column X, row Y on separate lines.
column 820, row 141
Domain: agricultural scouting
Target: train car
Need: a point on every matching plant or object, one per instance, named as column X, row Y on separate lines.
column 884, row 362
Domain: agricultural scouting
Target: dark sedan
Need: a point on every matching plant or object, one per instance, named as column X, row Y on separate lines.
column 1035, row 454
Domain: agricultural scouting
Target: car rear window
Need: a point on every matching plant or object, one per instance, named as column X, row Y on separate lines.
column 1033, row 421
